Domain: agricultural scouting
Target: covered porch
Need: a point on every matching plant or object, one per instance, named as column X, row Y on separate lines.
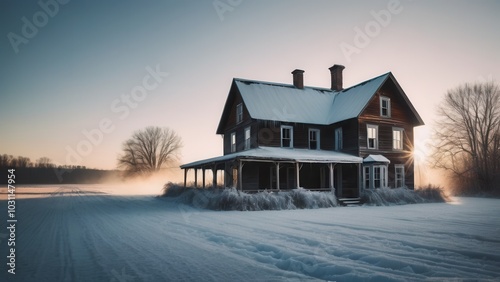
column 275, row 169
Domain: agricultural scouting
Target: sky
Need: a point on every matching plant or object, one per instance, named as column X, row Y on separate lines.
column 77, row 78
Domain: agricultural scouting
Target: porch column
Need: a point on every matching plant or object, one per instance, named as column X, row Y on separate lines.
column 214, row 171
column 185, row 176
column 203, row 177
column 240, row 175
column 297, row 174
column 332, row 185
column 195, row 178
column 278, row 176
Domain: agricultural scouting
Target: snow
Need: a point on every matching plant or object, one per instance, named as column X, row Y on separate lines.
column 283, row 154
column 78, row 233
column 376, row 159
column 284, row 102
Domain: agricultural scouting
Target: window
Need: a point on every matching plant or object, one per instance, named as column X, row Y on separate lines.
column 399, row 176
column 375, row 176
column 339, row 144
column 247, row 138
column 314, row 139
column 397, row 138
column 366, row 177
column 372, row 136
column 233, row 142
column 239, row 113
column 286, row 136
column 385, row 106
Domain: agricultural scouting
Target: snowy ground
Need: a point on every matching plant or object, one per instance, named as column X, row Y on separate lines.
column 77, row 233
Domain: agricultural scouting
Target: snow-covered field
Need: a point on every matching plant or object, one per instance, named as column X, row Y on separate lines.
column 77, row 233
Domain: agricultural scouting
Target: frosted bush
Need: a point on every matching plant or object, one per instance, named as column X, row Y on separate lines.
column 232, row 199
column 402, row 196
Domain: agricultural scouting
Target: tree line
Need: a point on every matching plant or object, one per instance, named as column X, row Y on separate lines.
column 11, row 161
column 44, row 171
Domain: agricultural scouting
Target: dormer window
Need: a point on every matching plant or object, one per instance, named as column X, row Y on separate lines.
column 286, row 136
column 385, row 106
column 239, row 113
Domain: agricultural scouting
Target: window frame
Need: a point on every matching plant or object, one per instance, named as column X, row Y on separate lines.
column 368, row 127
column 318, row 138
column 283, row 127
column 339, row 139
column 369, row 179
column 239, row 113
column 248, row 138
column 396, row 173
column 400, row 143
column 387, row 108
column 232, row 141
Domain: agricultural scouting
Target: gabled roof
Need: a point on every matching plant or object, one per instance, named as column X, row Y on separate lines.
column 281, row 154
column 322, row 106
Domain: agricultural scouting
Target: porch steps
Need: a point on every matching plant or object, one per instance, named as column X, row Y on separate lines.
column 349, row 202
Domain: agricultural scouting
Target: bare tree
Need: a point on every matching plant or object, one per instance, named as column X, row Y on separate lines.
column 44, row 162
column 5, row 160
column 23, row 162
column 467, row 136
column 150, row 150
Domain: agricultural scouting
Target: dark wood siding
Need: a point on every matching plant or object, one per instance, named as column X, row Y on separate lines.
column 350, row 136
column 400, row 118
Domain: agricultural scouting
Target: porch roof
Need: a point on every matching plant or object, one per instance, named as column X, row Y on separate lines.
column 376, row 159
column 280, row 154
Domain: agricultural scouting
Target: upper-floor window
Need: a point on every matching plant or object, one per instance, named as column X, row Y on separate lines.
column 314, row 139
column 372, row 136
column 339, row 144
column 286, row 136
column 239, row 113
column 247, row 138
column 397, row 138
column 385, row 106
column 233, row 142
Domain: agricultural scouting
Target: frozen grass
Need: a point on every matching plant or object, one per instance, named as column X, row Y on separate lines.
column 232, row 199
column 403, row 196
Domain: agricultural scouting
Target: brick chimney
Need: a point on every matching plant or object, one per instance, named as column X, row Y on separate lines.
column 336, row 73
column 298, row 78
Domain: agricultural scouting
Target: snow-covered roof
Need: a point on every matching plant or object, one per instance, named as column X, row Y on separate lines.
column 376, row 159
column 282, row 154
column 283, row 102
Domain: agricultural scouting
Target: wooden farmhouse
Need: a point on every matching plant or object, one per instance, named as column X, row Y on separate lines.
column 281, row 136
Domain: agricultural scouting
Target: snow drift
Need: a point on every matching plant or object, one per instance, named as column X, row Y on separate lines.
column 403, row 196
column 232, row 199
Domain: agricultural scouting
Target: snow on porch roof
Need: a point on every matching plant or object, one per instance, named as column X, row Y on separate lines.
column 282, row 154
column 283, row 102
column 376, row 159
